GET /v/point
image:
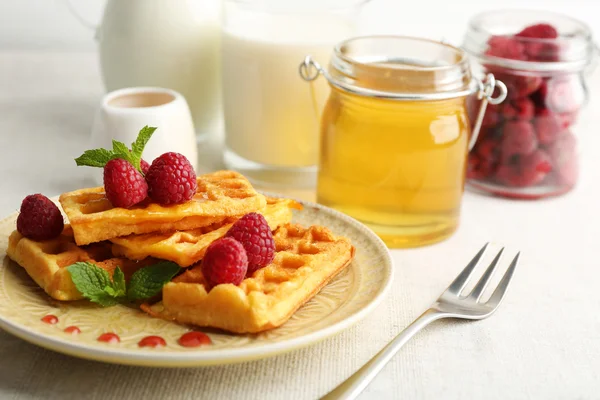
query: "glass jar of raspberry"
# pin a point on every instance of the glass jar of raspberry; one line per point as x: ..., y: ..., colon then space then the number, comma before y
x: 527, y: 145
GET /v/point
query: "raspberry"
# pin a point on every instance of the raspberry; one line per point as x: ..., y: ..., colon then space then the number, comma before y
x: 519, y: 85
x: 537, y: 50
x: 522, y: 109
x: 144, y: 166
x: 539, y: 31
x: 225, y: 261
x: 518, y: 139
x: 479, y: 167
x: 123, y: 184
x: 488, y: 147
x: 564, y: 94
x: 491, y: 117
x: 547, y: 126
x: 539, y: 96
x: 505, y: 47
x: 528, y: 170
x: 171, y: 179
x: 564, y: 157
x: 40, y: 218
x: 567, y: 119
x: 253, y: 232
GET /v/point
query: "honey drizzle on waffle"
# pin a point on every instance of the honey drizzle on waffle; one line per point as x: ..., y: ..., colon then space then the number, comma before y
x: 220, y: 195
x: 188, y: 247
x: 306, y: 260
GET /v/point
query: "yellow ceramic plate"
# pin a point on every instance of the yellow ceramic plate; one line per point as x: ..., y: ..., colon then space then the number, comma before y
x: 346, y: 300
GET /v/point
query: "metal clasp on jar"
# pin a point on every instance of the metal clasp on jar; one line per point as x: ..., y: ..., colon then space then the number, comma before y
x: 310, y: 70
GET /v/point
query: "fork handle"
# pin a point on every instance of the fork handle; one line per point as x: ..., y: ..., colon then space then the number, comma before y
x: 357, y: 382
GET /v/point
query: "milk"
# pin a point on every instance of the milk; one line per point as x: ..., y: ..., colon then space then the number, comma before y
x: 174, y: 45
x: 271, y: 114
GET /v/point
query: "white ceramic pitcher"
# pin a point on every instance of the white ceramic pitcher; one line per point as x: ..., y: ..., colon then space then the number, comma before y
x: 172, y: 44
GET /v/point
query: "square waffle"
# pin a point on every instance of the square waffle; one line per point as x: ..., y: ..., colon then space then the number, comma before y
x: 46, y: 261
x: 306, y: 260
x: 188, y: 247
x: 220, y: 195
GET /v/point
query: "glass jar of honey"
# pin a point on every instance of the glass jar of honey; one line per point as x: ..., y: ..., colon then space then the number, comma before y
x: 527, y: 147
x: 395, y: 134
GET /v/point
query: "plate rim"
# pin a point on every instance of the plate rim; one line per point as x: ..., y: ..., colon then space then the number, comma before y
x: 162, y: 359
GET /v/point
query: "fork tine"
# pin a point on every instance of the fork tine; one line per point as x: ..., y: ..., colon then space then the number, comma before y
x: 463, y: 278
x: 499, y: 292
x: 487, y: 276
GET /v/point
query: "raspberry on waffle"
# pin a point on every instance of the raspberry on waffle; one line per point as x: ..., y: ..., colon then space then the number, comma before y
x: 188, y: 247
x: 46, y: 261
x: 220, y: 195
x: 305, y: 261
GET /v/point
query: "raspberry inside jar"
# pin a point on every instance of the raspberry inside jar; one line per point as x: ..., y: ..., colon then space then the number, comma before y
x: 527, y: 146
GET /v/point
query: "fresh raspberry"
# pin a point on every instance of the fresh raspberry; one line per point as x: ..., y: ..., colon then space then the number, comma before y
x: 171, y: 179
x: 253, y: 232
x: 40, y: 218
x: 491, y: 117
x: 547, y: 126
x: 518, y: 138
x: 225, y: 261
x: 480, y: 167
x: 488, y: 147
x: 539, y: 31
x: 540, y: 50
x: 506, y: 47
x: 519, y: 85
x: 564, y: 157
x: 564, y: 94
x: 144, y: 166
x: 539, y: 96
x: 528, y: 170
x: 522, y: 109
x: 123, y: 184
x: 567, y: 119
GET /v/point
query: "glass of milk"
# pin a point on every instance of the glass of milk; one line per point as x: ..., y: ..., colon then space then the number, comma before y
x: 271, y: 114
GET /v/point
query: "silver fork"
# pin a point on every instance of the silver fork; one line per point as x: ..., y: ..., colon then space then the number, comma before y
x: 449, y: 305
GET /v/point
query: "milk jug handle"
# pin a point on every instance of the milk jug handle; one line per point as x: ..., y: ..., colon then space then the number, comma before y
x: 78, y: 17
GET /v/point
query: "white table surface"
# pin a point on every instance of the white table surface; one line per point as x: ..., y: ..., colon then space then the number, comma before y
x: 543, y: 343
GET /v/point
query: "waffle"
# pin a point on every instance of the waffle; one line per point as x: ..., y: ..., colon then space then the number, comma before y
x: 188, y: 247
x: 46, y: 261
x: 220, y: 195
x: 306, y: 260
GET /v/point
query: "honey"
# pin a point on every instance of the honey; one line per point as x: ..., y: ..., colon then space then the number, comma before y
x: 395, y: 134
x: 398, y: 167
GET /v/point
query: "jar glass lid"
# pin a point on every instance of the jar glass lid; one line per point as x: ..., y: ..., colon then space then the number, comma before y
x: 400, y: 67
x: 530, y: 40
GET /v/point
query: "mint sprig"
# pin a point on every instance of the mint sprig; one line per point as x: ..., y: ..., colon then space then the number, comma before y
x: 148, y: 282
x: 94, y: 283
x: 99, y: 157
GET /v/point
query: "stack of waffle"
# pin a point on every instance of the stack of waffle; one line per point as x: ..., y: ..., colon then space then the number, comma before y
x: 306, y: 258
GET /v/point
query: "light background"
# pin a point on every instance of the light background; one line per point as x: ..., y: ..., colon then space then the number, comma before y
x: 47, y: 24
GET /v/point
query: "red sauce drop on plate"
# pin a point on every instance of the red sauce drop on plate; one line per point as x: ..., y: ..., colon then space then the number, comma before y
x: 109, y: 337
x: 194, y: 339
x: 73, y: 330
x: 50, y: 319
x: 152, y: 341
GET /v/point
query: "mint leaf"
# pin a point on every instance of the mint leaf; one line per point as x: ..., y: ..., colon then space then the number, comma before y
x: 118, y: 283
x: 91, y: 281
x: 94, y: 158
x: 120, y: 150
x: 137, y: 147
x: 99, y: 157
x: 148, y: 282
x: 104, y: 299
